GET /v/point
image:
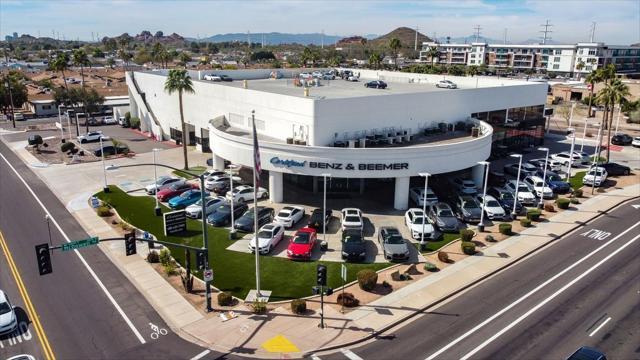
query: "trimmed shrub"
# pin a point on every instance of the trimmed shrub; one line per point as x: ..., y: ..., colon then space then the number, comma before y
x: 259, y: 307
x: 225, y: 299
x: 575, y: 201
x: 347, y: 300
x: 443, y: 256
x: 549, y: 207
x: 165, y: 256
x: 430, y: 267
x: 67, y: 146
x: 134, y: 122
x: 490, y: 238
x: 505, y: 229
x: 103, y: 211
x: 367, y: 279
x: 578, y: 192
x: 468, y: 247
x: 170, y: 269
x: 466, y: 234
x: 299, y: 306
x: 153, y: 257
x: 533, y: 214
x: 525, y: 222
x: 562, y: 203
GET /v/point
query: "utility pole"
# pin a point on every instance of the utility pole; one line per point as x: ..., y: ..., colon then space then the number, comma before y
x: 249, y: 38
x: 477, y: 28
x: 546, y: 32
x: 8, y: 85
x: 593, y: 31
x: 505, y: 36
x: 415, y: 44
x: 322, y: 39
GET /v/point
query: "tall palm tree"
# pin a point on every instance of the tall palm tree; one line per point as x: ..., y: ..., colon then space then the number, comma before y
x: 615, y: 92
x: 60, y: 64
x: 375, y: 59
x: 156, y: 52
x: 580, y: 66
x: 80, y: 58
x: 179, y: 81
x: 395, y: 45
x: 433, y: 53
x: 184, y: 58
x: 592, y: 79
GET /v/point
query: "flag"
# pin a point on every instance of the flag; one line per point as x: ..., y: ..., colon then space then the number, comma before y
x: 256, y: 155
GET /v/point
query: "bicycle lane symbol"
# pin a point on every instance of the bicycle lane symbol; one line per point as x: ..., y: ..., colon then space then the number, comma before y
x: 157, y: 331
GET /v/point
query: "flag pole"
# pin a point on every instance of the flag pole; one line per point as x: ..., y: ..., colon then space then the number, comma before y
x: 255, y: 202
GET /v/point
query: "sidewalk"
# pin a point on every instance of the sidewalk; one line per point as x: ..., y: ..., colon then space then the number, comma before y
x: 279, y: 331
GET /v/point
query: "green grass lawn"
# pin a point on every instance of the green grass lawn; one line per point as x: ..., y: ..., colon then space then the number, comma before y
x: 576, y: 180
x: 233, y: 271
x: 196, y: 170
x: 444, y: 239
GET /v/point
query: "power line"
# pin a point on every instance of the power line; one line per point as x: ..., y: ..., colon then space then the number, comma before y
x: 477, y: 28
x: 546, y: 32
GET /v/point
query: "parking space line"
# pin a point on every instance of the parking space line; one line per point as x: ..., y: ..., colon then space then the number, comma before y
x: 84, y: 262
x: 600, y: 326
x: 201, y: 355
x: 33, y: 316
x: 350, y: 354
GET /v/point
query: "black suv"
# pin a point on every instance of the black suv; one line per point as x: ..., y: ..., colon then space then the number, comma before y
x: 353, y: 245
x: 621, y: 139
x: 245, y: 222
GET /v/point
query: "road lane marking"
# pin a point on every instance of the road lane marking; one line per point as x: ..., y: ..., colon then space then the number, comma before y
x: 350, y: 354
x: 596, y: 234
x: 600, y: 326
x: 315, y: 357
x: 527, y: 295
x: 31, y: 311
x: 201, y: 355
x: 545, y: 301
x: 84, y: 262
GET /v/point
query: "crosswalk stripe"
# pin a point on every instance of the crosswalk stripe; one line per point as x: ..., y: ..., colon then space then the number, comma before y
x: 350, y: 354
x: 315, y: 357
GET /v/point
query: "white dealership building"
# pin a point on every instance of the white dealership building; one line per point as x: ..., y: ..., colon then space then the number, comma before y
x: 342, y: 128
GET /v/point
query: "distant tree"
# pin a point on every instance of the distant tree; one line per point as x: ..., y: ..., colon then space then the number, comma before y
x: 125, y: 56
x: 60, y: 64
x: 184, y: 58
x: 375, y: 59
x: 159, y: 34
x: 18, y: 91
x: 433, y: 53
x: 615, y: 92
x: 472, y: 70
x: 456, y: 70
x: 97, y: 53
x: 110, y: 62
x: 195, y: 47
x: 592, y: 79
x: 262, y: 56
x: 179, y: 81
x: 212, y: 48
x: 395, y: 45
x: 142, y: 57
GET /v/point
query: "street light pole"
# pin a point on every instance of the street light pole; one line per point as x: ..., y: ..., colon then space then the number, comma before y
x: 515, y: 201
x: 205, y: 238
x: 584, y: 134
x: 573, y: 144
x: 596, y: 160
x: 544, y: 175
x: 324, y: 208
x: 232, y: 232
x: 158, y: 211
x: 13, y: 115
x: 618, y: 118
x: 484, y: 194
x: 424, y: 207
x: 104, y: 169
x: 61, y: 127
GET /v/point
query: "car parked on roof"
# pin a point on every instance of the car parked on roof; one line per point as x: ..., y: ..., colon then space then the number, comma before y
x: 394, y: 248
x: 351, y: 218
x: 621, y: 139
x: 417, y: 195
x: 506, y: 199
x: 246, y: 221
x: 467, y: 208
x: 162, y: 183
x: 221, y: 216
x: 615, y: 169
x: 316, y: 219
x: 492, y: 208
x: 226, y: 78
x: 302, y: 243
x: 173, y: 190
x: 538, y: 187
x: 443, y: 217
x: 194, y: 211
x: 92, y: 136
x: 317, y: 74
x: 212, y: 77
x: 447, y: 84
x: 525, y: 194
x: 464, y: 186
x: 353, y: 245
x: 376, y: 84
x: 418, y: 224
x: 185, y: 199
x: 289, y: 215
x: 269, y: 236
x: 526, y: 169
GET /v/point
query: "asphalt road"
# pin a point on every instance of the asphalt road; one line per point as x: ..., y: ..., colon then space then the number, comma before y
x: 578, y: 291
x: 78, y: 318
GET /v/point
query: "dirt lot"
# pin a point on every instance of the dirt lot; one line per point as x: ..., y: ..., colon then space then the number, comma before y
x: 107, y: 82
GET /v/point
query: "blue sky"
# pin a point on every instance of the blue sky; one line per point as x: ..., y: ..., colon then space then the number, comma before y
x: 618, y: 21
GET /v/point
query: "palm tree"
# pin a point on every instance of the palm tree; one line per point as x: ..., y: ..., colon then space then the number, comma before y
x: 433, y: 53
x: 394, y: 46
x: 156, y: 52
x: 60, y: 64
x: 375, y: 59
x: 306, y: 56
x: 180, y: 81
x: 125, y: 56
x: 615, y: 92
x: 592, y: 79
x: 80, y: 58
x: 184, y: 58
x: 580, y: 66
x: 472, y: 70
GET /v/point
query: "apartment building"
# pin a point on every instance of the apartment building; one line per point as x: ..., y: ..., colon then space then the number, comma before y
x: 580, y: 58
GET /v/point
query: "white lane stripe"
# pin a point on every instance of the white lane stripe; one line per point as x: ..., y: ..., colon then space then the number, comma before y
x: 201, y: 355
x: 525, y: 296
x: 554, y: 295
x: 350, y: 354
x: 93, y: 274
x: 599, y: 327
x: 315, y: 357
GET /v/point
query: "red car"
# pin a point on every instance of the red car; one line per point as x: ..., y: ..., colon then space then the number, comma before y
x: 174, y: 190
x: 301, y: 244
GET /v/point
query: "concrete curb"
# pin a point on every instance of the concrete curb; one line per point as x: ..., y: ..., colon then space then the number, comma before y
x: 378, y: 332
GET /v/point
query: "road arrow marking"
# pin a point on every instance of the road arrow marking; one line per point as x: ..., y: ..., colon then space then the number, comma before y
x: 636, y: 206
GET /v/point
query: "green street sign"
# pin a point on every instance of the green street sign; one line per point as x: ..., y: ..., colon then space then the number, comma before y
x: 80, y: 243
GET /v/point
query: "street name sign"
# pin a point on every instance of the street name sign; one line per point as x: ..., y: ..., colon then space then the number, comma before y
x: 175, y: 222
x: 80, y: 243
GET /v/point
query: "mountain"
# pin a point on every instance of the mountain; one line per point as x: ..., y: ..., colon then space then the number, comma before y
x: 406, y: 36
x: 275, y: 38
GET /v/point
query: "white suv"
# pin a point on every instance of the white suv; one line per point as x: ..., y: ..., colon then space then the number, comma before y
x: 538, y: 186
x: 595, y: 177
x: 417, y: 195
x: 525, y: 196
x: 418, y: 224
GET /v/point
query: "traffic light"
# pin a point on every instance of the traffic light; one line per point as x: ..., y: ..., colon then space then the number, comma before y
x: 200, y: 259
x: 43, y: 257
x: 321, y: 275
x: 130, y: 243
